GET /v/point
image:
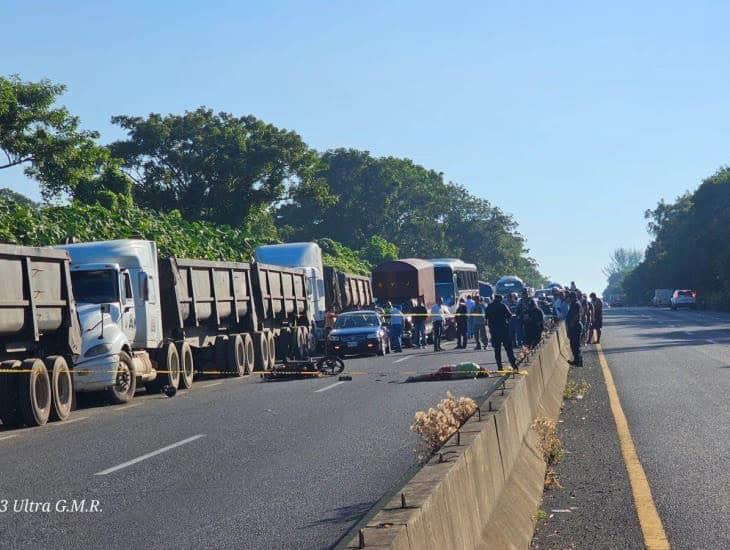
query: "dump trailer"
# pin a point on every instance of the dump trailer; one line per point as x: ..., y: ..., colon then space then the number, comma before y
x: 357, y: 291
x: 39, y: 335
x: 157, y: 321
x: 282, y: 310
x: 344, y: 291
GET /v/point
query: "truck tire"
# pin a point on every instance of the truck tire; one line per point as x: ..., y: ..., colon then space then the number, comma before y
x: 272, y: 349
x: 61, y: 387
x: 125, y: 381
x: 9, y: 412
x: 261, y: 351
x: 169, y: 361
x: 236, y: 356
x: 250, y: 354
x: 187, y: 365
x: 34, y: 393
x: 303, y: 342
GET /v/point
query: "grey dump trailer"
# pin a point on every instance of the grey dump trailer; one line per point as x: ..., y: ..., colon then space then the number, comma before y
x: 39, y: 335
x: 283, y: 316
x: 344, y: 291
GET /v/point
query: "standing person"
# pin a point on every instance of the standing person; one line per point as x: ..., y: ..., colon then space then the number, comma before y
x: 574, y: 328
x: 499, y: 316
x: 419, y: 315
x: 438, y: 315
x: 583, y: 317
x: 534, y: 324
x: 480, y: 321
x: 597, y: 316
x: 470, y: 303
x: 514, y: 322
x: 395, y: 330
x: 461, y: 325
x: 522, y: 313
x: 330, y: 317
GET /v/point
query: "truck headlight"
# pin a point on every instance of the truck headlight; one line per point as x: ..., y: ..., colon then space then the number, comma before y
x: 99, y: 349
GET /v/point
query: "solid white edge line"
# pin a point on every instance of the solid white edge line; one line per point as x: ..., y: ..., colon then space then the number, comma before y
x: 148, y: 455
x: 3, y: 438
x: 406, y: 358
x: 328, y: 387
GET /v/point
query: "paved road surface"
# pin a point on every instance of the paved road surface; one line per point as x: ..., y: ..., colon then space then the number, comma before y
x: 672, y: 372
x: 274, y: 465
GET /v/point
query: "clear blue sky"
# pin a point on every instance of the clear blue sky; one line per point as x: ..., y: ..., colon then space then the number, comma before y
x: 573, y: 116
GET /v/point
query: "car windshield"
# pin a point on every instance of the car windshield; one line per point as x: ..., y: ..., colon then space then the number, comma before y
x: 357, y: 320
x: 685, y: 293
x: 95, y: 287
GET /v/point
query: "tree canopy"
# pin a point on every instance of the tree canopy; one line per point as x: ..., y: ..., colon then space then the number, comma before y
x: 621, y: 263
x: 691, y: 245
x: 215, y: 166
x: 44, y: 138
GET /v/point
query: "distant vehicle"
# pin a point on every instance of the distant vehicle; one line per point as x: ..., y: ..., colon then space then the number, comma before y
x: 616, y: 301
x: 358, y: 333
x: 662, y: 297
x: 684, y: 298
x: 543, y: 293
x: 454, y: 279
x: 554, y: 285
x: 486, y: 290
x: 508, y: 284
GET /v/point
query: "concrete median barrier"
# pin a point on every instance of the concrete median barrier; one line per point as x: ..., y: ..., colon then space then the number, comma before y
x: 483, y: 487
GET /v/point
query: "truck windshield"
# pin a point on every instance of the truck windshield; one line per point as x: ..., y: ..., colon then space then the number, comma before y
x: 445, y: 291
x: 95, y: 287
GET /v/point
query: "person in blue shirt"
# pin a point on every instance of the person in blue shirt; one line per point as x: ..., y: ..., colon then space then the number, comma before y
x: 396, y: 320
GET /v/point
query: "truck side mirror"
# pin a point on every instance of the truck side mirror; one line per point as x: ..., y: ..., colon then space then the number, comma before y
x: 144, y: 284
x: 106, y: 308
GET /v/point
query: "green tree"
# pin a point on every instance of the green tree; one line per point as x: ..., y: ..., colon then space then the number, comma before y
x: 45, y: 138
x: 621, y: 263
x: 378, y: 250
x: 216, y: 167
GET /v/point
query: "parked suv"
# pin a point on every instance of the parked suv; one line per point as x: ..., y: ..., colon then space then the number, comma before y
x: 684, y: 298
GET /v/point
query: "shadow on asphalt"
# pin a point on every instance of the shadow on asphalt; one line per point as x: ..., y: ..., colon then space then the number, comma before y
x: 344, y: 514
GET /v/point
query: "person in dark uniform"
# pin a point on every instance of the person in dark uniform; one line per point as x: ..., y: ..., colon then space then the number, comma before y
x: 597, y: 317
x: 499, y: 317
x: 461, y: 325
x: 534, y: 324
x: 575, y: 328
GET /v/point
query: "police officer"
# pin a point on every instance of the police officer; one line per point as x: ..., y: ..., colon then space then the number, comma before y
x: 499, y: 317
x: 575, y: 328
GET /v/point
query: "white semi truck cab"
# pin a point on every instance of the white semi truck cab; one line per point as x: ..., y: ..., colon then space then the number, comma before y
x: 116, y: 286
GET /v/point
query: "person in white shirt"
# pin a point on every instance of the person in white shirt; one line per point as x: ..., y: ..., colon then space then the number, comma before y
x: 439, y: 313
x: 470, y: 305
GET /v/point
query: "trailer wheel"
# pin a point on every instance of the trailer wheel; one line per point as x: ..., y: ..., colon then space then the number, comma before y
x: 261, y: 351
x: 272, y: 349
x: 34, y: 393
x: 187, y: 365
x: 250, y: 354
x: 9, y: 412
x: 61, y: 387
x: 125, y: 381
x: 170, y: 362
x: 236, y: 356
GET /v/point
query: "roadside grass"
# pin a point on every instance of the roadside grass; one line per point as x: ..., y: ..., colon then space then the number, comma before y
x: 551, y: 448
x: 576, y: 390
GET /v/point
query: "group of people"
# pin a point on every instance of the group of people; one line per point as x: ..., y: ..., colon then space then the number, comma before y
x: 509, y: 323
x: 583, y: 317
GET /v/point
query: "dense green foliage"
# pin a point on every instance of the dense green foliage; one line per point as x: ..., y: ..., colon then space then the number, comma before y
x: 215, y: 167
x: 212, y: 185
x: 49, y: 225
x: 46, y: 140
x: 405, y: 204
x: 691, y: 246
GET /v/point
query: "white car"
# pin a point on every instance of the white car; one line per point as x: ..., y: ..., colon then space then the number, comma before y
x: 683, y: 298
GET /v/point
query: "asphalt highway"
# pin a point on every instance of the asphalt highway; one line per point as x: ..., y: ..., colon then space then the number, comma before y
x: 672, y: 372
x: 232, y: 463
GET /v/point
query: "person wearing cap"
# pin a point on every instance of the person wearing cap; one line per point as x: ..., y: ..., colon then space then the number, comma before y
x: 499, y: 317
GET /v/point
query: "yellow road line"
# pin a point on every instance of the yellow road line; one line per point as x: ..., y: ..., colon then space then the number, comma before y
x: 651, y: 524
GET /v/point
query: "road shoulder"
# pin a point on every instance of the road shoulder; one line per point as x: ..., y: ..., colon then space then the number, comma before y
x: 594, y: 508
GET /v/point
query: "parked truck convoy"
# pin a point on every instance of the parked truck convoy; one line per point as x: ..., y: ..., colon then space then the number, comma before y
x: 40, y: 336
x: 158, y: 321
x: 326, y: 287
